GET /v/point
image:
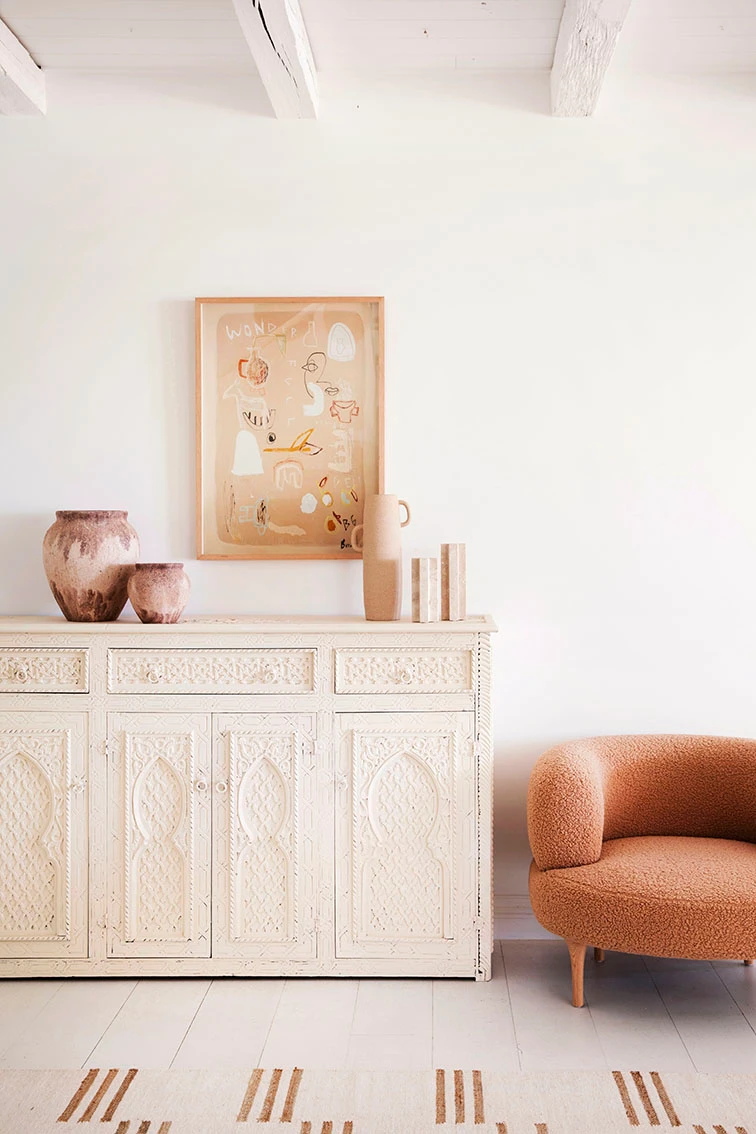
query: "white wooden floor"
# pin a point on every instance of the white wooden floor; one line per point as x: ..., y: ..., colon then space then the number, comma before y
x: 642, y: 1013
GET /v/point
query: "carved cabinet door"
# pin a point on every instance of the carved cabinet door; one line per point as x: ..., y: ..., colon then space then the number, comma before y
x: 406, y: 837
x: 159, y: 820
x: 43, y: 834
x: 265, y: 836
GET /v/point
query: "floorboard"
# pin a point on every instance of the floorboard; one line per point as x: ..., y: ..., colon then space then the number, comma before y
x: 312, y: 1025
x: 151, y: 1025
x: 740, y: 982
x: 21, y: 1001
x: 551, y: 1034
x: 231, y: 1025
x: 472, y: 1023
x: 632, y: 1022
x: 717, y: 1035
x: 70, y: 1024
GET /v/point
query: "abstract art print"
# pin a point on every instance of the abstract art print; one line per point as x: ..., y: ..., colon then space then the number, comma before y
x: 290, y: 425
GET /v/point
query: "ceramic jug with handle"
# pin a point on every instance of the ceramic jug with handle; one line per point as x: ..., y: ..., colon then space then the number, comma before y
x: 381, y: 546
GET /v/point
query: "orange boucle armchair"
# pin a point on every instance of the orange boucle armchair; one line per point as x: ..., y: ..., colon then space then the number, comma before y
x: 646, y: 844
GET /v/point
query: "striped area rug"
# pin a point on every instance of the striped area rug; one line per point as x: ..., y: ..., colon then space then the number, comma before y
x: 130, y: 1101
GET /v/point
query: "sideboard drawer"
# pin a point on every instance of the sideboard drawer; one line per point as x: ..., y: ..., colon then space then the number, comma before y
x: 423, y: 670
x: 211, y: 671
x: 32, y: 670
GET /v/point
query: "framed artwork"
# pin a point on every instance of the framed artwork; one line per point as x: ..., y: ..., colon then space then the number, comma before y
x: 289, y: 425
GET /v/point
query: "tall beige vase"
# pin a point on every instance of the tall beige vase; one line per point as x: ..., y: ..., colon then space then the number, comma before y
x: 381, y: 547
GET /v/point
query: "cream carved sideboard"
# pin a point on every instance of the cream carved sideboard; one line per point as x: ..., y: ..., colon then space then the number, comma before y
x: 245, y: 797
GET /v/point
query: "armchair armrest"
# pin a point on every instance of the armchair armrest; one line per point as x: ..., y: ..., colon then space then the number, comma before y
x: 566, y: 807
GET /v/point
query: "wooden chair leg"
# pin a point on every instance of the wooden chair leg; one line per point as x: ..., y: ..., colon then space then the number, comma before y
x: 747, y: 962
x: 598, y: 956
x: 577, y: 962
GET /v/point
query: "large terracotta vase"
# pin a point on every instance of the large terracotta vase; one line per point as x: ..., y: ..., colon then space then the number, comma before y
x: 88, y: 557
x: 381, y: 547
x: 159, y: 591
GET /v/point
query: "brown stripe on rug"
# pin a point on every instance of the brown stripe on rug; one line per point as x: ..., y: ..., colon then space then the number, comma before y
x: 270, y: 1098
x: 440, y: 1097
x: 477, y: 1098
x: 459, y: 1097
x: 645, y: 1098
x: 249, y: 1097
x: 666, y: 1102
x: 291, y: 1095
x: 79, y: 1093
x: 627, y: 1102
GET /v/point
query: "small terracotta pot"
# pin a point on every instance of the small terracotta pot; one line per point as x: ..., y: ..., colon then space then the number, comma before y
x: 159, y: 591
x: 88, y: 557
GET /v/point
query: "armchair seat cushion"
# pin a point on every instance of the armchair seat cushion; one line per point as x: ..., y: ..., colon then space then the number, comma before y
x: 666, y: 895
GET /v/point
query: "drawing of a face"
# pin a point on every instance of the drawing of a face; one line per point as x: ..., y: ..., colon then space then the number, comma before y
x: 314, y: 367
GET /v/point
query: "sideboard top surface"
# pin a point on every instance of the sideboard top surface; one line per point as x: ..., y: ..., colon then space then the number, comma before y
x: 245, y: 624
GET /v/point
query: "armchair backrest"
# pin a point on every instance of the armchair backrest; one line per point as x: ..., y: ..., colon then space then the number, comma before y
x: 612, y: 787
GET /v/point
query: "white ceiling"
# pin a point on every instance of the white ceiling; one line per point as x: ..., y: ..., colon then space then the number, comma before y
x: 383, y: 35
x: 689, y: 36
x: 437, y: 34
x: 130, y: 35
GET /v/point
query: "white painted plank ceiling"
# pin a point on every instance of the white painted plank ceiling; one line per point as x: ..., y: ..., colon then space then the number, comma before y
x: 689, y: 36
x: 130, y: 35
x: 512, y: 35
x: 379, y: 35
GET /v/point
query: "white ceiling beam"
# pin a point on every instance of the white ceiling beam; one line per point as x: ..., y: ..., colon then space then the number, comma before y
x: 587, y: 37
x: 22, y: 82
x: 275, y: 32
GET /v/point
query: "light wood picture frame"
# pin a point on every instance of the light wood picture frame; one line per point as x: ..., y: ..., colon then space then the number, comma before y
x: 289, y: 424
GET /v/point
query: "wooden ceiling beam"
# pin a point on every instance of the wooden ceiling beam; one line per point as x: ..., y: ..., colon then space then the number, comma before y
x: 277, y: 38
x: 22, y: 82
x: 587, y: 37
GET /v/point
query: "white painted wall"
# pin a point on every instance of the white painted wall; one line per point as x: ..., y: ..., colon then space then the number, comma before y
x: 570, y: 359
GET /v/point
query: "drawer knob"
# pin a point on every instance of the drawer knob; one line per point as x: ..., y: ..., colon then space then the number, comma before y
x: 405, y: 674
x: 201, y: 785
x: 154, y: 674
x: 221, y: 788
x: 20, y: 672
